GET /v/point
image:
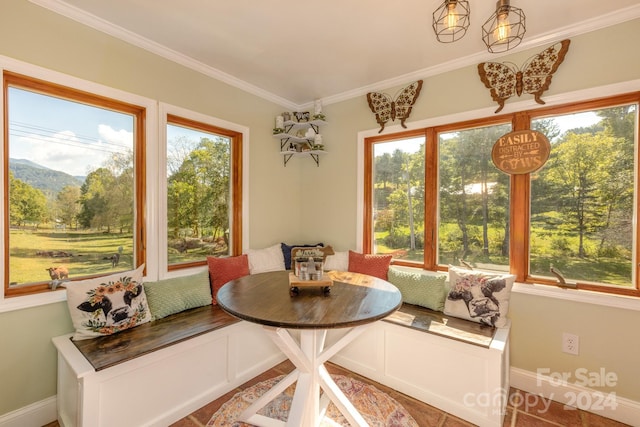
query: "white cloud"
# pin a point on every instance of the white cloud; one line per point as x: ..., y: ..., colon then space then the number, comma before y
x: 66, y: 152
x: 122, y: 138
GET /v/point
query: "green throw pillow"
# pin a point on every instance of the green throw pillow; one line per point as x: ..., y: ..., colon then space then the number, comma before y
x: 174, y: 295
x: 419, y: 289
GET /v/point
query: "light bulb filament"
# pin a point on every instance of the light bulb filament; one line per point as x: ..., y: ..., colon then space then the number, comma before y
x: 452, y: 16
x: 503, y: 30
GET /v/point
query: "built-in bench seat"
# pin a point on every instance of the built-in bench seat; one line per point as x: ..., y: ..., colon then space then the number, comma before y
x: 158, y: 372
x: 456, y: 365
x: 175, y: 365
x: 105, y: 352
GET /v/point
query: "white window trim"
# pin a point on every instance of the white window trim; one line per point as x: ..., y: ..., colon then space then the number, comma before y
x: 579, y: 295
x: 163, y: 110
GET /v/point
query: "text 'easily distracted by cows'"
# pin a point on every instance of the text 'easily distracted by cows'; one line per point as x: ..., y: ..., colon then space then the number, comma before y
x: 521, y: 152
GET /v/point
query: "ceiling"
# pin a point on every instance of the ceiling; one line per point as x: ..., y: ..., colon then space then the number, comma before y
x: 294, y: 51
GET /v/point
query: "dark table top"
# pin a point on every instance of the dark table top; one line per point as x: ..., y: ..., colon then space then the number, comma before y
x: 355, y: 299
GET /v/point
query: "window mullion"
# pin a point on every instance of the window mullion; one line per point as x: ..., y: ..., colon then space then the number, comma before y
x: 431, y: 199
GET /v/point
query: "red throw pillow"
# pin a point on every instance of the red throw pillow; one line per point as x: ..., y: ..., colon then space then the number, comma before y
x: 373, y: 265
x: 223, y: 270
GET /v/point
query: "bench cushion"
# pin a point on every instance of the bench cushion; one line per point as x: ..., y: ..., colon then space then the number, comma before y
x: 174, y: 295
x: 104, y: 352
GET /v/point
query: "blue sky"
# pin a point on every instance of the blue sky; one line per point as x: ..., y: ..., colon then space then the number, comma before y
x: 64, y: 135
x: 76, y: 138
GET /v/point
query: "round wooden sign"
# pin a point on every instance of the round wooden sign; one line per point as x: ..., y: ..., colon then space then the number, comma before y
x: 521, y: 152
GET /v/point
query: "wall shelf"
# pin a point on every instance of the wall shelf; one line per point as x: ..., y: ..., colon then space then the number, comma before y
x: 315, y: 155
x: 294, y: 145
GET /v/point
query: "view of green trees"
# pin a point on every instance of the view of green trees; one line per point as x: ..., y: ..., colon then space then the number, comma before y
x: 581, y: 201
x: 198, y: 199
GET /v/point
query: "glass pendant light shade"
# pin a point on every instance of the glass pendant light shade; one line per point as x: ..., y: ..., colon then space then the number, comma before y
x: 505, y: 29
x: 451, y: 20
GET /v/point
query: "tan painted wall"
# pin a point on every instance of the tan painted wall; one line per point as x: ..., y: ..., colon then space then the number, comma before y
x: 278, y: 211
x: 34, y: 35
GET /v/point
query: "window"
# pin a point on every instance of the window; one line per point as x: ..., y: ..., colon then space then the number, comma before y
x: 398, y: 198
x: 582, y: 201
x: 204, y: 192
x: 473, y: 220
x: 73, y: 168
x: 577, y: 213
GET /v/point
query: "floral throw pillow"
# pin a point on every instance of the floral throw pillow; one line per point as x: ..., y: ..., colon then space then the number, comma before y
x: 107, y: 305
x: 479, y: 296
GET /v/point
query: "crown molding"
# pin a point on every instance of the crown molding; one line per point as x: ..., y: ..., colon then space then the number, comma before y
x: 97, y: 23
x: 90, y: 20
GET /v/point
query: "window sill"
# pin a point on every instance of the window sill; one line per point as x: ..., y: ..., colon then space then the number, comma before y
x: 35, y: 300
x: 579, y: 295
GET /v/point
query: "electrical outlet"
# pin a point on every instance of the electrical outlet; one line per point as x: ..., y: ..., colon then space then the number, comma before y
x: 570, y: 343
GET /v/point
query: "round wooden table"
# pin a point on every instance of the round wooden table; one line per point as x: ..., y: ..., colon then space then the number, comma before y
x: 355, y: 301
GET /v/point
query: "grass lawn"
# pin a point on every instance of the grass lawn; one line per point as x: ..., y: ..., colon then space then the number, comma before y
x: 33, y: 251
x: 613, y: 271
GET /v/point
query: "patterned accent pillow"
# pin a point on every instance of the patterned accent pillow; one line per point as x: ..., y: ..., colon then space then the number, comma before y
x: 479, y: 296
x: 223, y: 270
x: 177, y: 294
x: 339, y: 261
x: 267, y: 259
x: 373, y: 265
x: 108, y: 304
x: 426, y: 290
x: 286, y: 252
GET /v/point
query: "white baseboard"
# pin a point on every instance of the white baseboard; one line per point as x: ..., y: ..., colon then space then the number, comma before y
x: 35, y: 415
x: 608, y: 405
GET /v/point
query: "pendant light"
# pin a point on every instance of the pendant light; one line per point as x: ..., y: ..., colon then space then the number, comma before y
x: 505, y: 29
x: 451, y: 20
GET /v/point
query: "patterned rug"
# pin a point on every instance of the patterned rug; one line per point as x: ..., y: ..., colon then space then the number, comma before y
x: 376, y: 407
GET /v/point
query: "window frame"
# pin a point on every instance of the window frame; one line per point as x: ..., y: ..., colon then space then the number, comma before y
x: 235, y: 217
x: 68, y: 92
x: 520, y: 190
x: 154, y: 210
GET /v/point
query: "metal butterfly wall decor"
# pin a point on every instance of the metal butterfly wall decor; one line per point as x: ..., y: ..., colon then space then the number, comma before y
x: 506, y: 79
x: 386, y: 108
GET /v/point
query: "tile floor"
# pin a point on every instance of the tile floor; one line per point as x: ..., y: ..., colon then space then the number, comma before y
x: 518, y: 414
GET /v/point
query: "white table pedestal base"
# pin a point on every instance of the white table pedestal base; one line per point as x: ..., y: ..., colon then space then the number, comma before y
x: 308, y: 406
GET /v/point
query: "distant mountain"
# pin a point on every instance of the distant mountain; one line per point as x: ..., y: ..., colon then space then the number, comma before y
x: 49, y: 181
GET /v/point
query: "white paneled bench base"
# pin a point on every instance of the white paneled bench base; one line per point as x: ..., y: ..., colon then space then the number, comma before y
x: 458, y: 366
x: 159, y: 372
